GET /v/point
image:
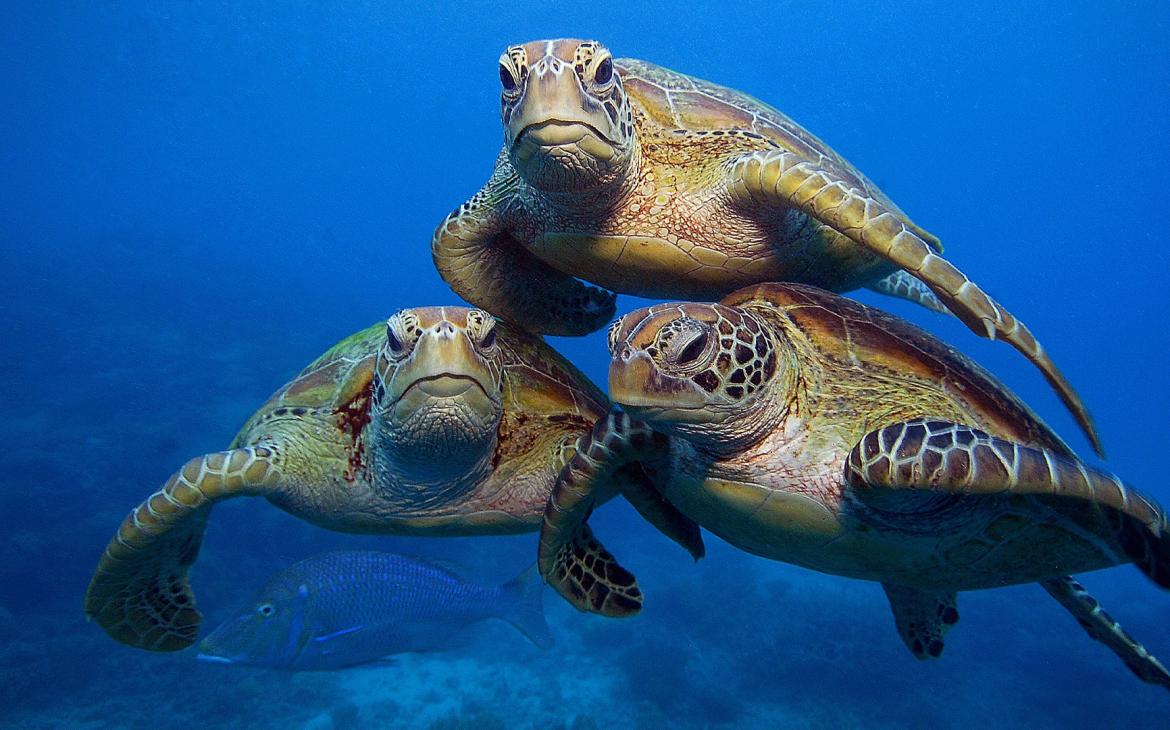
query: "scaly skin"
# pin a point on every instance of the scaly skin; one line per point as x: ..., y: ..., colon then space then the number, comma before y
x: 808, y: 428
x: 440, y: 422
x: 139, y: 593
x: 649, y: 182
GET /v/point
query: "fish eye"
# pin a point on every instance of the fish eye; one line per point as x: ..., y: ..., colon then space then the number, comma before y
x: 507, y: 79
x: 265, y: 609
x: 604, y: 73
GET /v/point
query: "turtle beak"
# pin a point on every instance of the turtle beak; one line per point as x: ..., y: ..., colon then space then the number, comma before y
x: 445, y: 365
x: 638, y: 386
x: 555, y: 111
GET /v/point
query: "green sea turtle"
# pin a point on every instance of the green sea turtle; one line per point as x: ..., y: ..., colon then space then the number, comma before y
x: 808, y: 428
x: 439, y: 422
x: 650, y: 182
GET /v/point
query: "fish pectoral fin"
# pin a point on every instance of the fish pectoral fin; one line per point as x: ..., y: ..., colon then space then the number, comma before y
x: 380, y: 663
x: 335, y: 634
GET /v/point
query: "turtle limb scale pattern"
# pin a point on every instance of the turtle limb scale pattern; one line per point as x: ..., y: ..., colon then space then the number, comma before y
x: 789, y: 180
x: 922, y: 618
x: 570, y: 558
x: 904, y: 286
x: 474, y: 252
x: 922, y: 458
x: 140, y: 593
x: 902, y: 466
x: 1103, y: 628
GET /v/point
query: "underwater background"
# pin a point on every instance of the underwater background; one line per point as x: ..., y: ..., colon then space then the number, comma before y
x: 197, y: 199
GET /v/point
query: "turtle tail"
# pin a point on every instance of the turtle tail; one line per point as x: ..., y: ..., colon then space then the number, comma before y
x: 1102, y: 627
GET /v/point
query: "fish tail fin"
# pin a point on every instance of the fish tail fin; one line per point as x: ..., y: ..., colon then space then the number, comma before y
x: 525, y: 608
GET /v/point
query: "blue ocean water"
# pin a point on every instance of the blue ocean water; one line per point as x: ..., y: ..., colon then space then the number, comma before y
x: 196, y: 199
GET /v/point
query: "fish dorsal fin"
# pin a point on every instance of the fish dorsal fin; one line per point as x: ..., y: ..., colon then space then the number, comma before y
x: 922, y: 617
x: 454, y: 571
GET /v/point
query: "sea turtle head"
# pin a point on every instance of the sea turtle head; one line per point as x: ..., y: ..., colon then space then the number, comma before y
x: 437, y: 399
x: 701, y: 371
x: 568, y: 126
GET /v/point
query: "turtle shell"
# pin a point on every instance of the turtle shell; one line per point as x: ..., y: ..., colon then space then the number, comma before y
x: 338, y: 378
x: 847, y: 334
x: 677, y: 101
x: 539, y: 380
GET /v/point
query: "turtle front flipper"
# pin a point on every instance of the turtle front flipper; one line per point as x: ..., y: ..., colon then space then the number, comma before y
x: 1102, y: 627
x: 140, y: 594
x: 905, y: 466
x: 791, y: 181
x: 485, y: 265
x: 922, y: 617
x: 570, y: 558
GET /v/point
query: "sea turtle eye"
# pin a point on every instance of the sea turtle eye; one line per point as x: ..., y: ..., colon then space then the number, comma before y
x: 612, y: 335
x: 265, y: 609
x: 489, y: 339
x: 392, y: 340
x: 693, y: 350
x: 604, y: 73
x: 506, y: 78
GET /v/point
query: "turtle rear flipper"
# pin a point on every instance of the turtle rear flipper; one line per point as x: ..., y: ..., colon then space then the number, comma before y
x: 140, y: 594
x: 821, y: 192
x: 1102, y: 627
x: 487, y: 267
x: 922, y: 617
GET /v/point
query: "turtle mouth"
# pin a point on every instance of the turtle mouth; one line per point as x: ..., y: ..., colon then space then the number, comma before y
x: 559, y: 133
x: 659, y: 412
x: 444, y: 385
x: 679, y: 419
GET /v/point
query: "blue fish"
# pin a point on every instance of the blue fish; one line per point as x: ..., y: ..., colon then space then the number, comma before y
x: 340, y: 609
